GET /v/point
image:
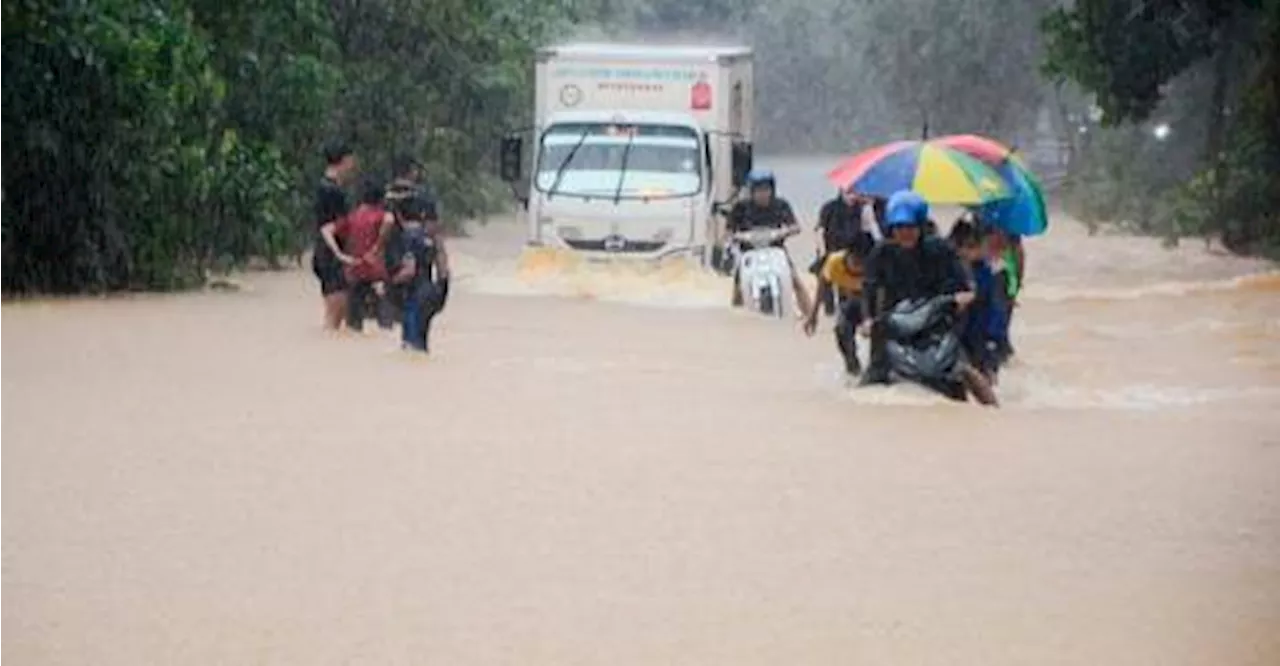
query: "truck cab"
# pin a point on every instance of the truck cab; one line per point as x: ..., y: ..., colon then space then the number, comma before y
x: 634, y: 148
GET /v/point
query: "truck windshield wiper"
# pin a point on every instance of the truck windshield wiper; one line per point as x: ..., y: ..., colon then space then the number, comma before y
x: 622, y: 167
x: 564, y: 164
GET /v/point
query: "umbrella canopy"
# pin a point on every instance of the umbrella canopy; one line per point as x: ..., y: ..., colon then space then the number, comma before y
x: 988, y: 150
x: 1024, y: 213
x: 937, y: 173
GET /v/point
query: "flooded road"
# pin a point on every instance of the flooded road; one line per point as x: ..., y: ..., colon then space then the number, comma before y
x: 599, y: 466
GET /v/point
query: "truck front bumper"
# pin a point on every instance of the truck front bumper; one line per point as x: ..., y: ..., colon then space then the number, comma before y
x: 617, y: 246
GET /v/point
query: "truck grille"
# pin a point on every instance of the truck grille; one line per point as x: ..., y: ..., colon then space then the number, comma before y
x: 600, y: 245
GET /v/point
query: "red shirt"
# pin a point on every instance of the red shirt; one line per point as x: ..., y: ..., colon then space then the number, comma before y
x: 359, y: 232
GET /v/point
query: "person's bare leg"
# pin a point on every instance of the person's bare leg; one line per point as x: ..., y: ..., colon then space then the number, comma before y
x: 979, y: 386
x: 803, y: 301
x: 335, y: 310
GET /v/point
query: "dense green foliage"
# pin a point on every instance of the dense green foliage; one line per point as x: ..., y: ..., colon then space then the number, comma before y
x: 148, y: 141
x: 1210, y: 72
x: 136, y: 152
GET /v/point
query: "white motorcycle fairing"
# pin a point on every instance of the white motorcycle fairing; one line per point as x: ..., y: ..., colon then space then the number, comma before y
x: 764, y: 280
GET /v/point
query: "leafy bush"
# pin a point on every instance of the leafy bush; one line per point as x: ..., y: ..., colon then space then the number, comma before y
x: 150, y: 141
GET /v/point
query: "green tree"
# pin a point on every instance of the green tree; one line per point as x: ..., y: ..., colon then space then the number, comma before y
x: 106, y: 116
x: 441, y: 80
x: 1179, y: 58
x: 149, y: 141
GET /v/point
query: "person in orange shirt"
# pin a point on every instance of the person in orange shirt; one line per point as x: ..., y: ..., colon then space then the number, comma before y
x: 840, y: 278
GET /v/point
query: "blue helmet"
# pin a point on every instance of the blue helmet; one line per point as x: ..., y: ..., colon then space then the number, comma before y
x: 759, y: 177
x: 906, y: 208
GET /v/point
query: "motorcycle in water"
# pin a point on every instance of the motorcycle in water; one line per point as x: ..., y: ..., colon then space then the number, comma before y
x: 921, y: 345
x: 764, y: 272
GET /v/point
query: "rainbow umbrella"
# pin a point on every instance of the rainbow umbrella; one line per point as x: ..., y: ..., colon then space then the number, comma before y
x: 935, y: 172
x: 1024, y: 213
x: 988, y: 150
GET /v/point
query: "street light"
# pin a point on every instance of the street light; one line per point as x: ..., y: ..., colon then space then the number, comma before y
x: 1161, y: 131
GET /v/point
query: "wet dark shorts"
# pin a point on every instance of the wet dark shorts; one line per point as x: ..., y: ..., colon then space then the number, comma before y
x: 850, y: 312
x: 329, y: 272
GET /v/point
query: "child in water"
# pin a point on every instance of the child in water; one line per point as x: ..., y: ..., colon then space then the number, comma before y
x: 840, y: 275
x: 1009, y: 261
x: 423, y: 270
x: 984, y: 332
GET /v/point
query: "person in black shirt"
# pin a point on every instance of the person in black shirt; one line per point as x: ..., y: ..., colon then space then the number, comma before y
x: 840, y: 222
x: 766, y: 210
x: 878, y: 205
x: 839, y: 228
x: 331, y: 207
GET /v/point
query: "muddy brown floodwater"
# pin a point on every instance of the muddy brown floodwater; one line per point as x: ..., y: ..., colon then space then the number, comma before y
x: 607, y: 466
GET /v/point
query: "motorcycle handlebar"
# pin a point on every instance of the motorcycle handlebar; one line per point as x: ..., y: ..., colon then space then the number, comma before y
x: 760, y: 237
x: 781, y: 232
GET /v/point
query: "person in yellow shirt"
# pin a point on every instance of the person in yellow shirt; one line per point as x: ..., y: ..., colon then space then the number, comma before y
x: 841, y: 275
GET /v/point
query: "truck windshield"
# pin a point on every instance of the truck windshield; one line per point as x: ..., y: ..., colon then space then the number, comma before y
x: 595, y: 160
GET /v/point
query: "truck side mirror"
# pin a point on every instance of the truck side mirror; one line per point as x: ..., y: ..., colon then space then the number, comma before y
x: 510, y: 155
x: 741, y: 162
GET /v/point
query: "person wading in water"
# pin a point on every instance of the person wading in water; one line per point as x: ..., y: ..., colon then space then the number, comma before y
x: 331, y: 208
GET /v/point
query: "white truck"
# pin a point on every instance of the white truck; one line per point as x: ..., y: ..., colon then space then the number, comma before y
x: 635, y: 147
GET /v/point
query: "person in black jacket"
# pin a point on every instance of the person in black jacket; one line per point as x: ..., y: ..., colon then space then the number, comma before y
x: 910, y: 265
x: 765, y: 209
